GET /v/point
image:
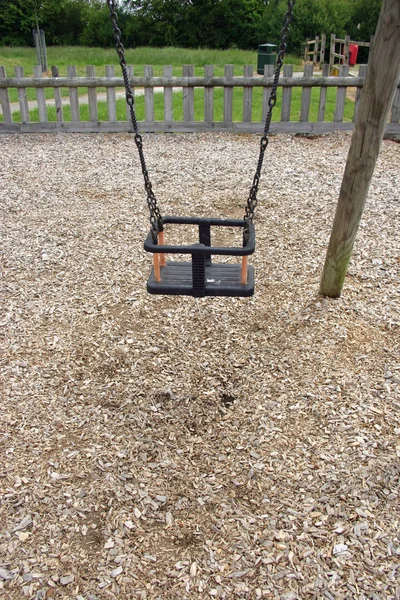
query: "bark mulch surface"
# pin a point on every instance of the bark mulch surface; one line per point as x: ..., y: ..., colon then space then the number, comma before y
x: 178, y: 448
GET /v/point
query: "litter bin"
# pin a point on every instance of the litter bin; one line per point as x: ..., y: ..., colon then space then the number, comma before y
x: 353, y: 52
x: 266, y: 56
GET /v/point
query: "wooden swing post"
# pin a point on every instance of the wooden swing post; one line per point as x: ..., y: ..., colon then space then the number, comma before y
x: 376, y: 99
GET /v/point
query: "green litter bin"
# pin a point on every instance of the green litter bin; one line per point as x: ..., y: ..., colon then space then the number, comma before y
x: 266, y: 56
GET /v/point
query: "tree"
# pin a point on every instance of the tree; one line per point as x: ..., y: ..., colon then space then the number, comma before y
x: 365, y: 16
x: 357, y: 18
x: 196, y: 23
x: 17, y: 19
x: 65, y: 21
x: 62, y: 20
x: 239, y: 22
x: 185, y: 23
x: 97, y: 30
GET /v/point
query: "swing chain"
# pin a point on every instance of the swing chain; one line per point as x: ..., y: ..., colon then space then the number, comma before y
x: 252, y: 199
x: 155, y: 214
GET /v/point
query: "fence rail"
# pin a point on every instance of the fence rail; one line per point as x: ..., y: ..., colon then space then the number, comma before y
x: 17, y: 116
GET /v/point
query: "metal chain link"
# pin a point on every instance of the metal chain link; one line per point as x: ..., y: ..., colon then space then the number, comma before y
x: 252, y: 199
x: 155, y: 214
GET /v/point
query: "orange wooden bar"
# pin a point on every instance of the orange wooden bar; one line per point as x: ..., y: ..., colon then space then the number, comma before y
x: 245, y: 263
x: 157, y: 271
x: 161, y: 241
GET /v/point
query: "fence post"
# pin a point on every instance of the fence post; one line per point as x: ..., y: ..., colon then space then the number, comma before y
x: 332, y: 52
x: 306, y: 51
x: 22, y: 97
x: 36, y: 43
x: 168, y: 102
x: 149, y: 96
x: 188, y: 95
x: 5, y: 100
x: 73, y: 96
x: 208, y: 95
x: 92, y: 95
x: 43, y: 50
x: 286, y: 94
x: 346, y: 50
x: 316, y: 45
x: 247, y: 95
x: 340, y: 96
x: 322, y: 50
x: 111, y: 96
x: 40, y: 45
x: 322, y: 95
x: 228, y: 96
x: 40, y: 96
x: 306, y: 94
x: 379, y: 89
x: 57, y: 96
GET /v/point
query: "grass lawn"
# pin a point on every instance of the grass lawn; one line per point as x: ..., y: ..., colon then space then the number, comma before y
x: 63, y: 56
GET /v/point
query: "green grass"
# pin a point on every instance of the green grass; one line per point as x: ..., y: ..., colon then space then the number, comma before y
x: 199, y: 107
x: 63, y: 56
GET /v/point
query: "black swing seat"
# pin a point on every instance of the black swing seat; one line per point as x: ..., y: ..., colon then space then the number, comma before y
x: 201, y: 277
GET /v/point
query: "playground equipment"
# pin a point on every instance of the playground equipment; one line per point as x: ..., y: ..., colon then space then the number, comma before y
x: 341, y: 52
x: 200, y: 277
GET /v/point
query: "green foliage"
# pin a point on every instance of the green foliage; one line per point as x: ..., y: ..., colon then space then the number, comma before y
x: 17, y: 19
x: 219, y: 24
x: 364, y: 19
x: 195, y: 23
x: 63, y: 20
x: 98, y: 30
x: 311, y: 18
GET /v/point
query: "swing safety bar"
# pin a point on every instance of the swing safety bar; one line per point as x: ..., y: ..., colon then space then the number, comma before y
x: 201, y: 277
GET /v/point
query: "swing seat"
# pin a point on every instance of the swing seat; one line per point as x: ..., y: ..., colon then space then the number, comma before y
x: 201, y: 277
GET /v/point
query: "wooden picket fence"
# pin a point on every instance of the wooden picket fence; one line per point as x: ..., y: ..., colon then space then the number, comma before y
x: 148, y: 85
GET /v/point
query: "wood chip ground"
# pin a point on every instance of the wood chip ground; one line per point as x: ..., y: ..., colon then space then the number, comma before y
x: 178, y: 448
